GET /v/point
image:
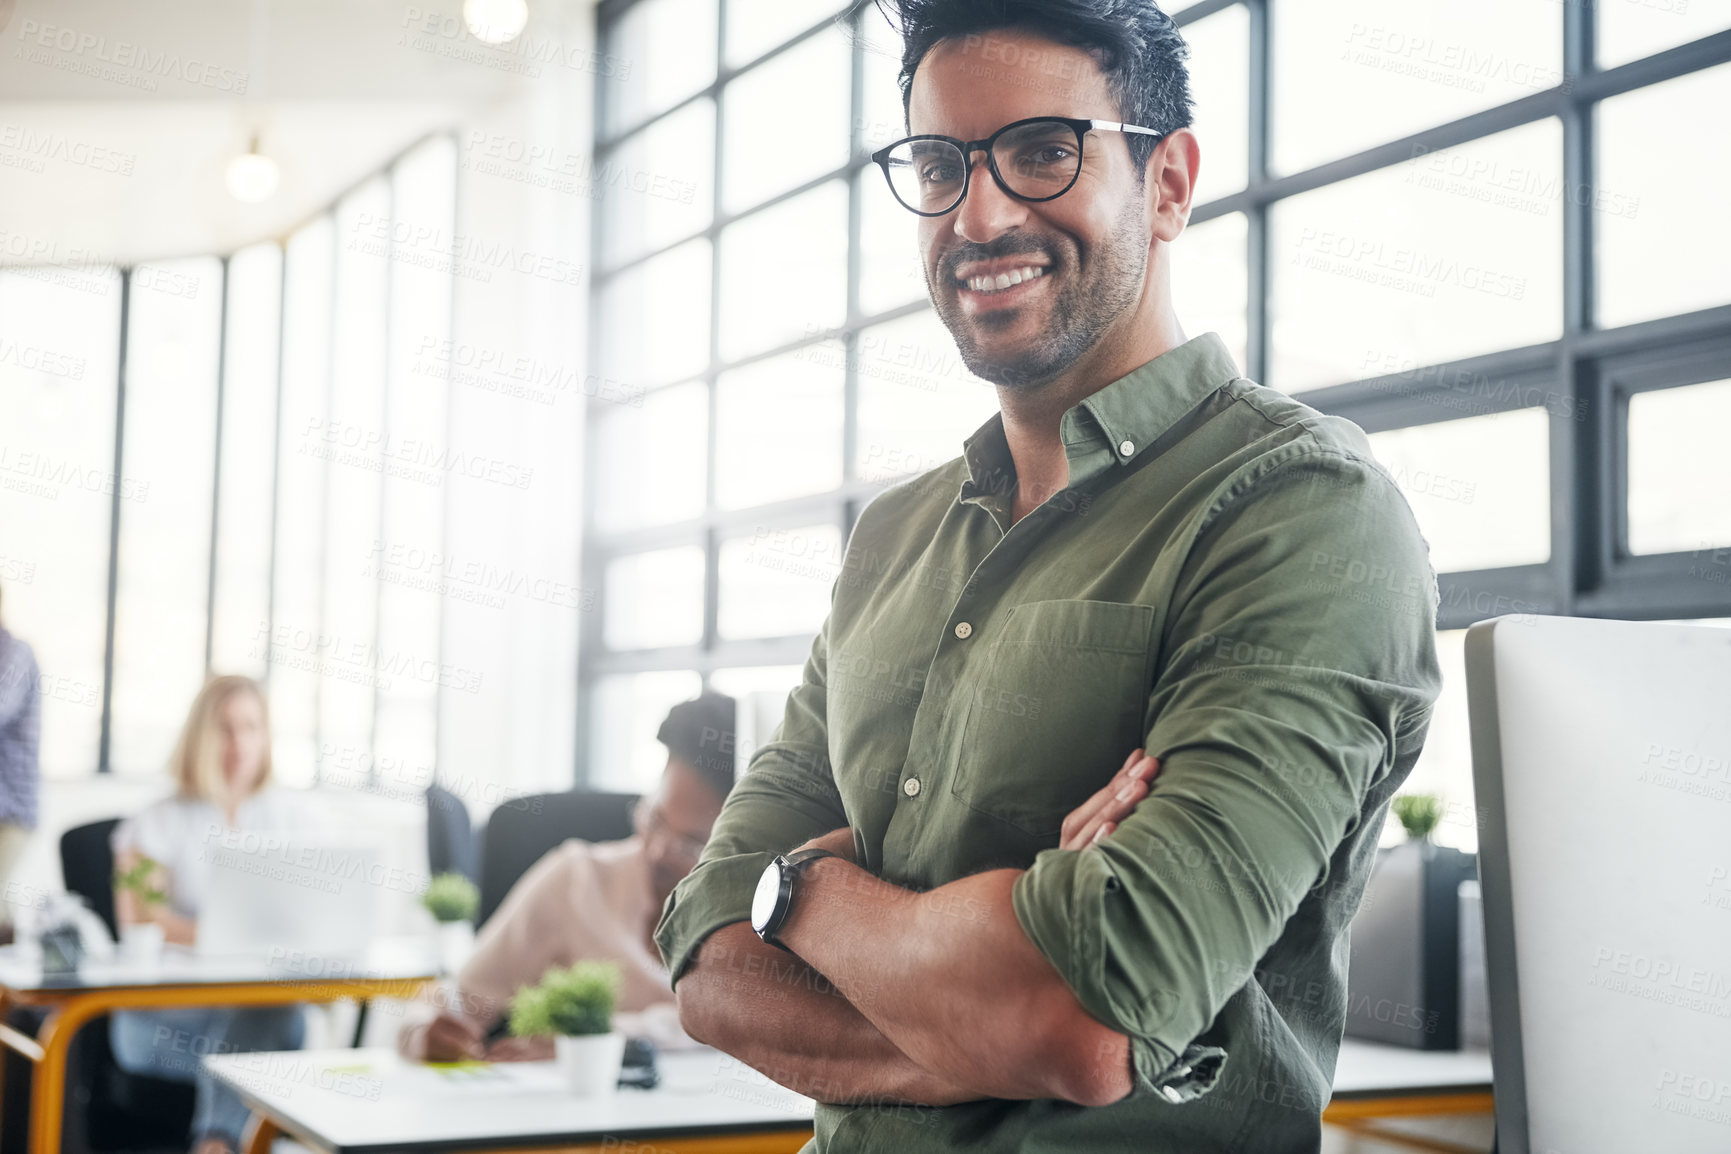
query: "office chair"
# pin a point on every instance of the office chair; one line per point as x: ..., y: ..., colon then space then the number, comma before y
x: 450, y: 834
x: 107, y: 1107
x: 523, y: 829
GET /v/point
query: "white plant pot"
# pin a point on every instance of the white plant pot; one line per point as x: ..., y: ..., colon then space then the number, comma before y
x: 590, y: 1063
x: 141, y: 945
x: 456, y: 942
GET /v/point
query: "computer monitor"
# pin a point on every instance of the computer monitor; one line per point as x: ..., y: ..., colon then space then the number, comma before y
x: 1602, y: 761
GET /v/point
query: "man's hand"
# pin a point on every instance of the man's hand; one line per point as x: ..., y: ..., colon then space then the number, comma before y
x: 1100, y: 814
x: 447, y: 1038
x: 836, y: 841
x: 1093, y: 819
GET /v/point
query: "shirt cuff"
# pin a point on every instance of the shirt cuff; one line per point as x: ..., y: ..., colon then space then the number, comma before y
x: 1060, y: 902
x: 715, y: 894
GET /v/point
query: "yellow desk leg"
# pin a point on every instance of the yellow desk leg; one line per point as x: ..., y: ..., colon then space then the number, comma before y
x: 48, y: 1088
x: 260, y: 1133
x: 48, y: 1083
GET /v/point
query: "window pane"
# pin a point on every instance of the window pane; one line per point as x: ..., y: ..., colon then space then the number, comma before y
x: 61, y: 327
x: 655, y: 599
x: 412, y: 517
x: 756, y: 26
x: 293, y: 634
x: 164, y: 566
x: 1445, y: 767
x: 1664, y: 239
x: 650, y: 459
x: 761, y: 692
x: 247, y: 480
x: 917, y: 401
x: 1454, y: 253
x: 891, y: 272
x: 655, y: 319
x: 784, y: 272
x: 1679, y: 487
x: 776, y: 582
x: 1220, y: 83
x: 1630, y: 29
x: 881, y: 53
x: 793, y: 402
x: 659, y: 185
x: 663, y: 50
x: 1349, y: 74
x: 627, y: 712
x: 786, y: 121
x: 1209, y: 265
x: 1480, y: 487
x: 353, y: 441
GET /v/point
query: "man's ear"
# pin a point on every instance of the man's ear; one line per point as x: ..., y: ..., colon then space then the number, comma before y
x: 1171, y: 181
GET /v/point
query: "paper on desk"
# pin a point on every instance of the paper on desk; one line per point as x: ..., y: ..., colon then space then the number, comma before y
x: 483, y: 1077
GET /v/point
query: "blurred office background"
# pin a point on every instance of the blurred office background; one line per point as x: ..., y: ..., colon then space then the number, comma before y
x: 543, y: 381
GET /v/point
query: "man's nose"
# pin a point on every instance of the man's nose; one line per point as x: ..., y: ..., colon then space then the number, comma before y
x: 987, y: 211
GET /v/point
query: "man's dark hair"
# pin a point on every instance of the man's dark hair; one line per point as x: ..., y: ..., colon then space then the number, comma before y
x: 700, y: 733
x: 1135, y: 44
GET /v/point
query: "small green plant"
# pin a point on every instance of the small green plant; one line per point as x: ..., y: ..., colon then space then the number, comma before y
x: 140, y: 881
x: 572, y: 1001
x: 1418, y: 813
x: 451, y: 897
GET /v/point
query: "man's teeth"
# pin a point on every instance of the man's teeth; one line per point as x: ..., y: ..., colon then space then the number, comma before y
x: 1004, y: 280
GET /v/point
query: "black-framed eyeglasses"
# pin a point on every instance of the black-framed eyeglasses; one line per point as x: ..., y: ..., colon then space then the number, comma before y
x: 1036, y: 159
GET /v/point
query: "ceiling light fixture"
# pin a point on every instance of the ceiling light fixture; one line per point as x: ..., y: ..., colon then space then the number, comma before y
x: 252, y: 176
x: 495, y: 21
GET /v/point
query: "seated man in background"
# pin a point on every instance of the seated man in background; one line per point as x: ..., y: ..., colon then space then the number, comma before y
x: 586, y: 901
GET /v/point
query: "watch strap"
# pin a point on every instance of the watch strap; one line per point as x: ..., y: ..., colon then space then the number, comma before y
x: 791, y: 865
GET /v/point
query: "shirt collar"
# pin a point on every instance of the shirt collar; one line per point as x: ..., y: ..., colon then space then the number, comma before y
x: 1116, y: 423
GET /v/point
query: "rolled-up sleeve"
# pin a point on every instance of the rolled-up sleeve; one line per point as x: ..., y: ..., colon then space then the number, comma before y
x: 1298, y: 657
x: 786, y: 796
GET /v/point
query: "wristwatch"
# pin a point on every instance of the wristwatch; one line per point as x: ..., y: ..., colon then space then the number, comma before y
x: 774, y: 898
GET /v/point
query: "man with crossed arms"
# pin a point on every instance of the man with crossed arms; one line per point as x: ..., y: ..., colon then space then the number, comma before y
x: 1005, y: 921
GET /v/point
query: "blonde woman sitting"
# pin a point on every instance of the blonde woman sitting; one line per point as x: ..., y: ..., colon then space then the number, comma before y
x: 222, y: 767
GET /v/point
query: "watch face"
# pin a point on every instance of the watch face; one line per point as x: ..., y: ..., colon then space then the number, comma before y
x: 763, y: 901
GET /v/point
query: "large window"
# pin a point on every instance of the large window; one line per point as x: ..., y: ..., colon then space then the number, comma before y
x: 1483, y: 231
x: 241, y: 464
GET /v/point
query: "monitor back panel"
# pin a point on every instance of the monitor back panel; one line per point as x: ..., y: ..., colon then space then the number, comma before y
x: 1602, y: 762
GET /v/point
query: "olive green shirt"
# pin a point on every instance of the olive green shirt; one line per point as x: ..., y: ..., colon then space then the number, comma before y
x: 1228, y: 580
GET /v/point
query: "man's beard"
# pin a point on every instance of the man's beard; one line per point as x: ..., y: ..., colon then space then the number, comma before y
x: 1086, y: 306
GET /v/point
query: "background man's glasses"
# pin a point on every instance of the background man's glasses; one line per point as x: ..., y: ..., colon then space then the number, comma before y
x: 1035, y: 159
x: 651, y: 823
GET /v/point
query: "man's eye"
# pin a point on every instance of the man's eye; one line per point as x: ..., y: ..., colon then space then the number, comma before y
x: 1050, y: 154
x: 939, y: 174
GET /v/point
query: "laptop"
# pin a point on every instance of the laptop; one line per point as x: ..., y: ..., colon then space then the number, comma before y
x: 266, y: 894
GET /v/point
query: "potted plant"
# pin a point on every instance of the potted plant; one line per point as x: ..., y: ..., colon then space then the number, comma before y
x: 141, y: 942
x: 574, y: 1006
x: 1403, y: 979
x: 452, y: 899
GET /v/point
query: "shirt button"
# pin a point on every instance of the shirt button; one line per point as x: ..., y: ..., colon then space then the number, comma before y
x: 1126, y: 448
x: 911, y: 787
x: 964, y: 630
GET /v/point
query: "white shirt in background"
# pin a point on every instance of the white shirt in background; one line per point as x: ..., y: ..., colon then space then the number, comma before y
x: 177, y: 832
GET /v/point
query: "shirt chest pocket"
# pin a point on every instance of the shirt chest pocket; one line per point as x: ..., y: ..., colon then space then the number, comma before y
x: 1054, y: 701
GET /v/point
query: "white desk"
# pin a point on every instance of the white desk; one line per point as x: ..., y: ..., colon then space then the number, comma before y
x: 362, y: 1101
x: 393, y: 968
x: 1369, y: 1070
x: 1374, y: 1082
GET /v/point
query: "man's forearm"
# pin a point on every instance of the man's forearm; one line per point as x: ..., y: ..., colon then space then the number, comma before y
x: 951, y: 979
x: 776, y: 1014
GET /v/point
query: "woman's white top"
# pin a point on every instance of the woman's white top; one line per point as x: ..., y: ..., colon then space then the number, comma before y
x: 180, y: 832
